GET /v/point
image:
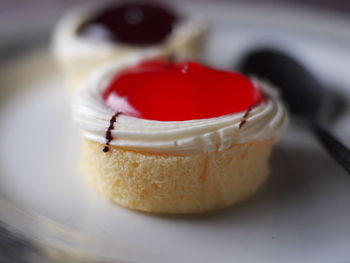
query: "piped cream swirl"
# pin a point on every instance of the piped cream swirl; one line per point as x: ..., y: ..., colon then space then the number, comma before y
x: 265, y: 121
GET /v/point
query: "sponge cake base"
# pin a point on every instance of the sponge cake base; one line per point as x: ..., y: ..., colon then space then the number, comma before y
x: 176, y: 184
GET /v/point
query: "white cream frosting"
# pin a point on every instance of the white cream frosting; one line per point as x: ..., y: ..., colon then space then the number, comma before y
x: 265, y: 121
x: 68, y: 46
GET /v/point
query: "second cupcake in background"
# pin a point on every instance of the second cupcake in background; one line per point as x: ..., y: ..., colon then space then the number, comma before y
x: 90, y: 36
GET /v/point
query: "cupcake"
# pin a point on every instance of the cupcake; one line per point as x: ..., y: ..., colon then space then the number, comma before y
x: 90, y: 36
x: 176, y: 138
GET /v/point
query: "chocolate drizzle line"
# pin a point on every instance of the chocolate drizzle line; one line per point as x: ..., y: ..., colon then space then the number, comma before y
x: 109, y: 136
x: 244, y: 118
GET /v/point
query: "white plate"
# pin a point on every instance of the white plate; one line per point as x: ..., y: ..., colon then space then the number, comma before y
x: 301, y: 215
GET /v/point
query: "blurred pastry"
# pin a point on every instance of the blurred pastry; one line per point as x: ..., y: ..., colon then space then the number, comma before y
x: 177, y: 138
x: 90, y: 36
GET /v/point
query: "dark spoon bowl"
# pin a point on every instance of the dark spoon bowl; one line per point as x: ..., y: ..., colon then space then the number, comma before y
x: 301, y: 91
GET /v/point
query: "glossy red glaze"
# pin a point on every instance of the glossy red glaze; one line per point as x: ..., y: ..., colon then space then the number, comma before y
x: 159, y: 90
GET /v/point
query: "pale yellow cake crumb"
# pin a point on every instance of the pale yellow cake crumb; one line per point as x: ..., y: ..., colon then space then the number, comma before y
x: 176, y: 184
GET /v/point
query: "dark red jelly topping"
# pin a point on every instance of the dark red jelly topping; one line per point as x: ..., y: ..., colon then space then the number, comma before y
x: 157, y: 90
x: 130, y: 23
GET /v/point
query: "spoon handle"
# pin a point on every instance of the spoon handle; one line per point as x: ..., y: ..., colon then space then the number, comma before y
x: 334, y: 147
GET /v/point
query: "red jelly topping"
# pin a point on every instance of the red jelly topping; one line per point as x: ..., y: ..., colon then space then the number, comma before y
x: 158, y: 90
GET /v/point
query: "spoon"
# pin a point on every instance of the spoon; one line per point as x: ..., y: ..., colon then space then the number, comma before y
x: 301, y: 91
